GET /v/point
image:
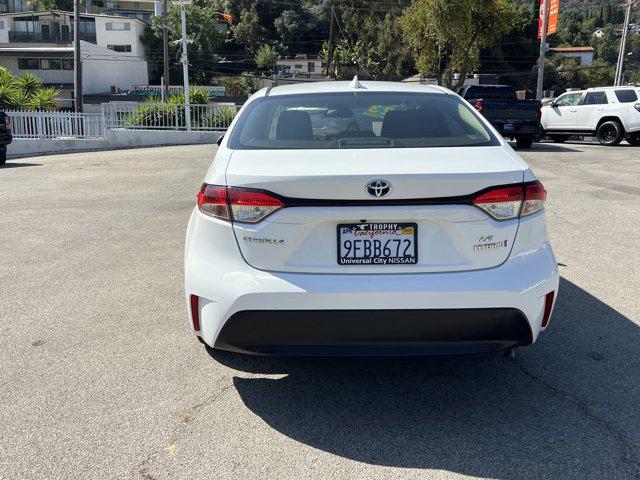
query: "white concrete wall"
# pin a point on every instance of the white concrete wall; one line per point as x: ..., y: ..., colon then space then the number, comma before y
x: 4, y: 32
x: 131, y: 37
x: 115, y: 139
x: 102, y: 68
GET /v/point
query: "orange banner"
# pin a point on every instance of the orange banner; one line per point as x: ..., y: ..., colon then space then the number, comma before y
x: 554, y: 11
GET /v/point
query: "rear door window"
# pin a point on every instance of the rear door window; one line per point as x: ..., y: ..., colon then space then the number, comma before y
x: 359, y: 120
x: 595, y: 98
x: 626, y: 96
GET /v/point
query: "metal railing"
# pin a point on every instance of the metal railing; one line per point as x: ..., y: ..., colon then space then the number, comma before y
x: 58, y: 37
x: 58, y: 125
x: 128, y: 116
x: 167, y: 116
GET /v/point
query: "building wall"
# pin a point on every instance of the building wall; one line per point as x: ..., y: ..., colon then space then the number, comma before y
x: 102, y: 68
x: 4, y: 29
x: 47, y: 76
x: 586, y: 58
x: 131, y: 37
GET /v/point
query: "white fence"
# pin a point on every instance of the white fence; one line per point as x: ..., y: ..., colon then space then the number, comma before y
x: 121, y: 115
x: 167, y: 116
x: 62, y: 125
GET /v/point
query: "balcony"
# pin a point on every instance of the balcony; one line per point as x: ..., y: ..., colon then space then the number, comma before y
x: 59, y: 38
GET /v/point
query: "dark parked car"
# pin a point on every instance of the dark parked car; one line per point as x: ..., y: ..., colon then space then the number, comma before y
x: 5, y: 136
x: 516, y: 119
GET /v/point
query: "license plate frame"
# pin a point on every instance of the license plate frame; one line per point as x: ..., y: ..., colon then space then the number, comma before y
x: 377, y: 259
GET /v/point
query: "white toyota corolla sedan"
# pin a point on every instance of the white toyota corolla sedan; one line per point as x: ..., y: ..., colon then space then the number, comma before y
x: 367, y: 218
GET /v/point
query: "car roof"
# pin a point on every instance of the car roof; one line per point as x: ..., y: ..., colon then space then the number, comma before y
x: 362, y: 86
x: 624, y: 87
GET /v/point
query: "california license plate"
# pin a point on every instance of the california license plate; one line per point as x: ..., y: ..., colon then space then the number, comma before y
x: 377, y: 244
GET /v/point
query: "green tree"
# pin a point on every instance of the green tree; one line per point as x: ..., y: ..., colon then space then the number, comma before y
x: 266, y: 57
x: 446, y: 36
x: 248, y: 32
x: 25, y: 93
x: 205, y: 41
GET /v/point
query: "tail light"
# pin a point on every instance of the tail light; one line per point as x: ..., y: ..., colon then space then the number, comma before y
x: 195, y: 312
x: 479, y: 106
x: 539, y: 114
x: 548, y: 304
x: 237, y: 204
x: 7, y: 123
x: 534, y: 197
x: 514, y: 201
x: 502, y: 203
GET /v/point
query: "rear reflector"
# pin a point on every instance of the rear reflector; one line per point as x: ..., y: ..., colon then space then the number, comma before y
x: 195, y: 312
x: 548, y: 304
x: 237, y: 204
x: 502, y: 203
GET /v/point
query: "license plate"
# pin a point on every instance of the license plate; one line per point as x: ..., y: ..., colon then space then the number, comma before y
x: 378, y: 244
x: 507, y: 126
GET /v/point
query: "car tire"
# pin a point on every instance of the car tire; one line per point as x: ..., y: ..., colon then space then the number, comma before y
x: 3, y: 155
x: 524, y: 142
x: 633, y: 139
x: 559, y: 138
x: 610, y: 133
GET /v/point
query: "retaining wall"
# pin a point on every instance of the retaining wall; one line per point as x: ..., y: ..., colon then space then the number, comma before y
x: 116, y: 138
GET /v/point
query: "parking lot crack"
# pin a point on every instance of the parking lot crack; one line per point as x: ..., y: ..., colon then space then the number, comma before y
x: 186, y: 417
x: 628, y: 456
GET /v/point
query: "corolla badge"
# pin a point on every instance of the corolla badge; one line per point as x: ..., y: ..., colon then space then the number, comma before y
x: 378, y: 188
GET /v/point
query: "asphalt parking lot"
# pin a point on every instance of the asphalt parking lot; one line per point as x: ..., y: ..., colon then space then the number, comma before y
x: 100, y: 377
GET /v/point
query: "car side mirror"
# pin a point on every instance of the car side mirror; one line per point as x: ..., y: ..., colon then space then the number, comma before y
x: 219, y: 141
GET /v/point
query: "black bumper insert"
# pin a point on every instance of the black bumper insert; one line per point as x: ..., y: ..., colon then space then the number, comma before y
x: 374, y: 332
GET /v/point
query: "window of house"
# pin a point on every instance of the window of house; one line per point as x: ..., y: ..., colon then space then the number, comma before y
x: 298, y: 67
x: 595, y: 98
x: 120, y: 48
x: 29, y: 64
x: 67, y: 64
x: 626, y: 96
x: 118, y: 26
x: 25, y: 25
x: 1, y: 24
x: 311, y: 66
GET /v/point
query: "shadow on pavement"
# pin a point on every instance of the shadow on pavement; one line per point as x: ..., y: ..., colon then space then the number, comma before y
x: 10, y: 164
x: 567, y: 407
x: 551, y: 147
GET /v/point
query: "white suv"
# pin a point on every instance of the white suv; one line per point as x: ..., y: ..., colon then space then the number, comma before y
x: 609, y: 113
x: 367, y: 218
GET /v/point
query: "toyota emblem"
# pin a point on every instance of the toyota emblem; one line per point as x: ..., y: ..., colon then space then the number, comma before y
x: 378, y: 188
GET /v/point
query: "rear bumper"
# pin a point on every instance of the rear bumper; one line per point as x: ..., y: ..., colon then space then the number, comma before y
x: 374, y: 332
x: 244, y: 309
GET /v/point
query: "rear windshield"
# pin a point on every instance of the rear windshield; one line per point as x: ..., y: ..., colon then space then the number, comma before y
x: 493, y: 93
x: 359, y: 120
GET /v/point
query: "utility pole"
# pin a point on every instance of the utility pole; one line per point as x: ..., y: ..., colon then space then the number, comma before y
x: 623, y: 45
x: 331, y: 39
x: 165, y: 48
x: 185, y: 66
x: 544, y: 11
x: 77, y: 59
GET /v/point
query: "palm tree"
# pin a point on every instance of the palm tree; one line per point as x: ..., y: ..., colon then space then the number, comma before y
x: 28, y: 83
x: 25, y: 93
x: 44, y: 99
